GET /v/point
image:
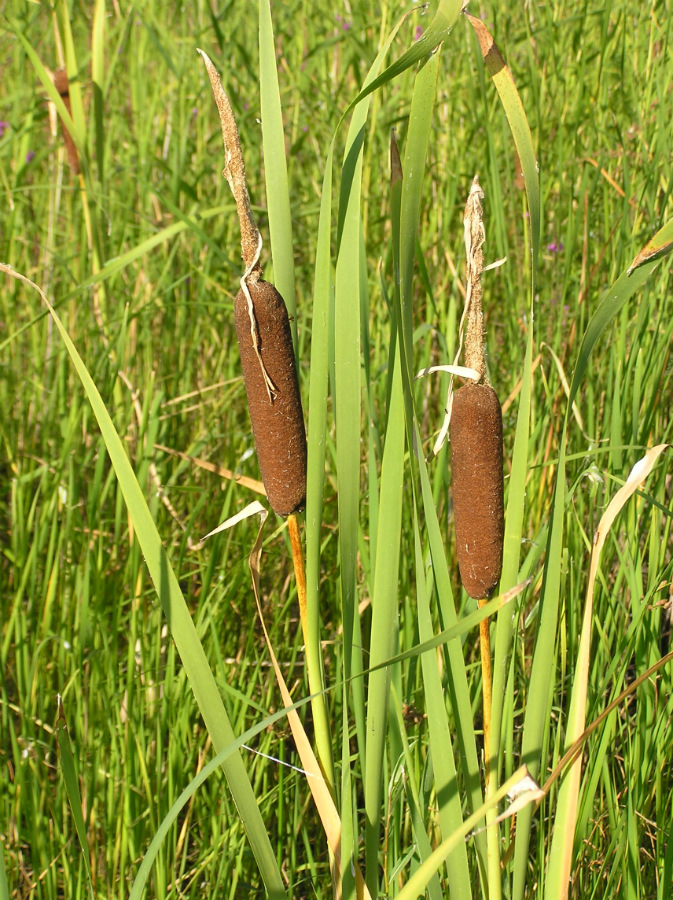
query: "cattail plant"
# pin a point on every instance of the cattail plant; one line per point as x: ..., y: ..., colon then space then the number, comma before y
x: 476, y: 457
x: 476, y: 436
x: 265, y: 342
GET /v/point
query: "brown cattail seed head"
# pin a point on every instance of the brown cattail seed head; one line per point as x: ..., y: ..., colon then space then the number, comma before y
x: 272, y: 387
x: 478, y: 504
x: 61, y: 85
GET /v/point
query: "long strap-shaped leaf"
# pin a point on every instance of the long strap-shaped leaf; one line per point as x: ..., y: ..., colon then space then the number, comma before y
x: 536, y: 721
x: 275, y: 167
x: 182, y: 627
x: 557, y: 881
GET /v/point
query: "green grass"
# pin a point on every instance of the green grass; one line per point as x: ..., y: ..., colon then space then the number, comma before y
x: 140, y: 258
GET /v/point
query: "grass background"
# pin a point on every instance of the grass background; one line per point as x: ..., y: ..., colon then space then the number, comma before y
x: 79, y: 614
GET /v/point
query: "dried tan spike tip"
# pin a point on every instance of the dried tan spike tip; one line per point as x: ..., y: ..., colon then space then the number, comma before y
x: 475, y: 238
x: 234, y: 172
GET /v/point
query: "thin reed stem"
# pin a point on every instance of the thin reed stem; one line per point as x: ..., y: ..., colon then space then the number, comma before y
x: 314, y: 670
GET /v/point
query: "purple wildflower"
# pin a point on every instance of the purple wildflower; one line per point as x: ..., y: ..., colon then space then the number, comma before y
x: 345, y: 24
x: 554, y: 247
x: 418, y: 33
x: 4, y: 126
x: 29, y: 156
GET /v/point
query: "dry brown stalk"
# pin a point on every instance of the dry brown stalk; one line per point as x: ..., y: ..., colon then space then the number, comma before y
x: 234, y: 172
x: 475, y: 238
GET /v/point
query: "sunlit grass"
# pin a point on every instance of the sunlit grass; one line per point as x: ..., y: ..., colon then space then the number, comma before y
x: 79, y: 614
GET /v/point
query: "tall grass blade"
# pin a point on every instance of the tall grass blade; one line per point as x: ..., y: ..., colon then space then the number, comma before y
x: 536, y: 721
x: 180, y: 622
x: 71, y: 779
x: 98, y: 83
x: 190, y: 790
x: 385, y: 604
x: 614, y: 299
x: 437, y: 31
x: 557, y: 880
x: 275, y: 168
x: 518, y: 123
x: 315, y: 477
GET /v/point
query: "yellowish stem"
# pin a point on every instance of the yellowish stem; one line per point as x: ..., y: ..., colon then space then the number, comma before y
x: 486, y: 683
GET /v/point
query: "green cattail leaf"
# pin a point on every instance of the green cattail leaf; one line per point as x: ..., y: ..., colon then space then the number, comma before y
x: 71, y: 780
x: 423, y: 845
x: 350, y: 303
x: 188, y: 792
x: 315, y: 475
x: 349, y: 288
x: 98, y: 81
x: 615, y: 297
x: 518, y: 122
x: 182, y: 627
x: 536, y: 721
x: 437, y: 31
x: 275, y: 168
x: 385, y: 602
x: 4, y: 885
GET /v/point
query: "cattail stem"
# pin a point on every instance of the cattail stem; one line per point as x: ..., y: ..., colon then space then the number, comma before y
x: 299, y: 571
x: 313, y: 661
x: 486, y: 685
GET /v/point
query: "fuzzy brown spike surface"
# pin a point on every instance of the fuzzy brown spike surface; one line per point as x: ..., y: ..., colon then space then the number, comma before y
x: 478, y: 505
x: 272, y: 387
x: 61, y: 85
